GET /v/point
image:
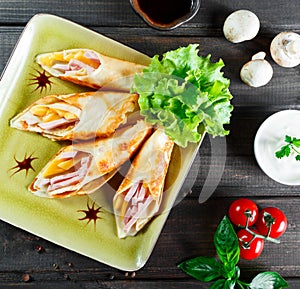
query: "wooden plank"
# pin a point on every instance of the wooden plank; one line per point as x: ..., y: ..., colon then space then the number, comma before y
x: 244, y: 174
x: 119, y: 13
x: 195, y: 225
x: 285, y: 81
x: 116, y: 284
x: 8, y: 39
x: 56, y: 267
x: 241, y: 168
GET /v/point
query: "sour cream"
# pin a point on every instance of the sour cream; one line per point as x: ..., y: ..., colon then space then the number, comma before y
x: 269, y: 138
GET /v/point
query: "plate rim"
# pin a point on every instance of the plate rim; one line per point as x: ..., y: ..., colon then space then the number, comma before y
x: 138, y: 262
x: 257, y: 138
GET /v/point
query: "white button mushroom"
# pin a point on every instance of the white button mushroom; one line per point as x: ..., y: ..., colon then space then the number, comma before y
x: 240, y: 26
x: 285, y: 49
x: 257, y: 72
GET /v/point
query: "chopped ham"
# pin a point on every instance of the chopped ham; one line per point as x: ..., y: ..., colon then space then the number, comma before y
x: 32, y: 121
x: 75, y: 64
x: 60, y: 178
x: 130, y: 212
x: 68, y: 182
x: 69, y: 179
x: 138, y: 204
x: 131, y: 192
x: 92, y: 55
x: 142, y: 207
x: 142, y: 194
x: 61, y: 67
x: 128, y: 215
x: 85, y: 161
x: 44, y: 182
x: 68, y: 155
x: 55, y: 123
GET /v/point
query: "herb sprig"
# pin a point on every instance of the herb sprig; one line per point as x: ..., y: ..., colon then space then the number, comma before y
x: 223, y: 271
x: 292, y: 144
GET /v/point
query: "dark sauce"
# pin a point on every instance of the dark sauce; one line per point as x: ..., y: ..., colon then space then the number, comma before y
x: 165, y: 11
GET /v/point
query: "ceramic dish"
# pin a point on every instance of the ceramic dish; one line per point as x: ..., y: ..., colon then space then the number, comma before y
x: 83, y: 224
x: 194, y: 8
x: 269, y: 138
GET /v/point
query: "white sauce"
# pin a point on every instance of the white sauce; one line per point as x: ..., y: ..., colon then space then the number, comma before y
x: 270, y: 138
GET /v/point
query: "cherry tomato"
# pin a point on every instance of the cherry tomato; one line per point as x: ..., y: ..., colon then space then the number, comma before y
x: 274, y: 217
x: 237, y: 211
x: 250, y: 247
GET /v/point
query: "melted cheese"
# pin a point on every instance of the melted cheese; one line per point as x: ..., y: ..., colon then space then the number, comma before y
x: 61, y: 57
x: 48, y: 113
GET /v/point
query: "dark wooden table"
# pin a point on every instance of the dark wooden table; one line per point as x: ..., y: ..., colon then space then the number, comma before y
x: 190, y: 226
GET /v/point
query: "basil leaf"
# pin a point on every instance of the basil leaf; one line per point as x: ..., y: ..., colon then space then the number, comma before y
x: 229, y: 284
x: 237, y: 273
x: 227, y: 245
x: 268, y: 280
x: 223, y: 284
x: 202, y: 268
x: 219, y: 284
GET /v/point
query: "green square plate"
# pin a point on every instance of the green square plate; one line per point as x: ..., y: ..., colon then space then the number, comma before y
x: 23, y: 154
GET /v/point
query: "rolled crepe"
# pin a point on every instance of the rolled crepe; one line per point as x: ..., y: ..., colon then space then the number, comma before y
x: 89, y: 68
x: 84, y: 167
x: 81, y: 116
x: 139, y: 196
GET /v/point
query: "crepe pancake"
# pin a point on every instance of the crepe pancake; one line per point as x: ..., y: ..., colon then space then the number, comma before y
x: 80, y: 116
x: 139, y: 196
x: 89, y: 68
x: 83, y: 167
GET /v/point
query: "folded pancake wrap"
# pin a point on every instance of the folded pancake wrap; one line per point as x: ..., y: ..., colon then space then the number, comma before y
x: 81, y: 116
x: 83, y: 167
x: 139, y: 196
x: 89, y: 68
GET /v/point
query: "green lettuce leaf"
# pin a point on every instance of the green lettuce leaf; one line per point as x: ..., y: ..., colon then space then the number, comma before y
x: 186, y: 94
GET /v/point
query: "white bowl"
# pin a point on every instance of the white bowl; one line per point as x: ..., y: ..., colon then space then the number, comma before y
x: 269, y: 138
